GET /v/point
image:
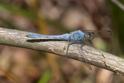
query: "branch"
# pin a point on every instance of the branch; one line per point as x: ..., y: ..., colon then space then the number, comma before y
x: 85, y: 54
x: 119, y: 4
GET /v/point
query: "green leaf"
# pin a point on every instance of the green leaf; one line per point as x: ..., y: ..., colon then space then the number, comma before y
x: 45, y: 77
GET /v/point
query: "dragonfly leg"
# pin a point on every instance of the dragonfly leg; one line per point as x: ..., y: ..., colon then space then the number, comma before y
x: 70, y: 43
x: 89, y: 43
x: 68, y: 48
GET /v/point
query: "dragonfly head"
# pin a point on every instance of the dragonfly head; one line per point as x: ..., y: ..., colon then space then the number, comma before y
x: 89, y: 36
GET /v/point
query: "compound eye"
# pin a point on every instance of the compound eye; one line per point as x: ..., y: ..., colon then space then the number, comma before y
x: 91, y: 35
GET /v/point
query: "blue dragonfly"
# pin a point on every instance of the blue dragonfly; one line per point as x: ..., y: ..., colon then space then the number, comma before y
x: 75, y: 37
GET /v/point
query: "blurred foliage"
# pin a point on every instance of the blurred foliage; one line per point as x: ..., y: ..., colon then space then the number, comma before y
x: 45, y: 77
x: 53, y: 17
x: 15, y: 9
x: 118, y: 23
x: 30, y: 14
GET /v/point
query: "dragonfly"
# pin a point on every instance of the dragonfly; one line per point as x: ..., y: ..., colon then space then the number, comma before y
x: 74, y: 37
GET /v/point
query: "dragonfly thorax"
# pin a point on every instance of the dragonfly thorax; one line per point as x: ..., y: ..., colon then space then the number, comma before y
x: 77, y: 36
